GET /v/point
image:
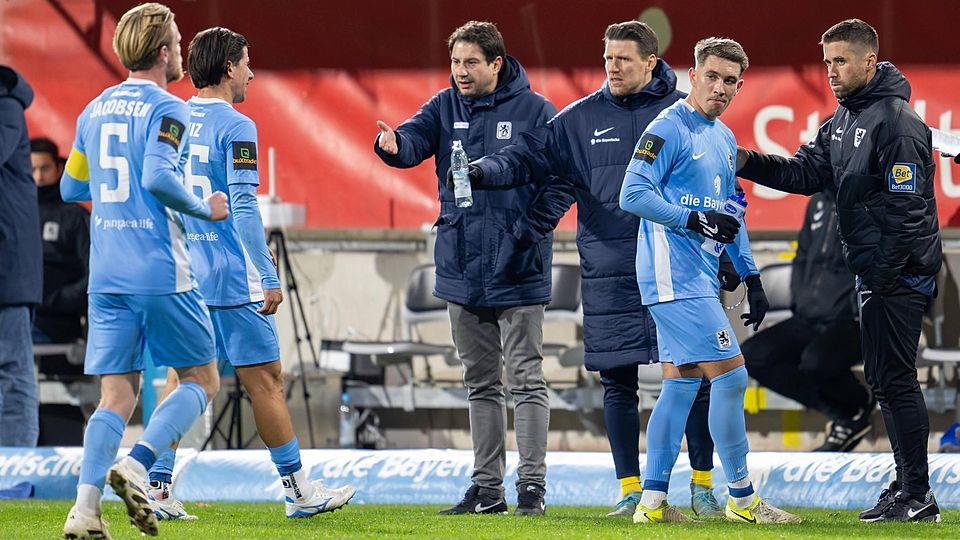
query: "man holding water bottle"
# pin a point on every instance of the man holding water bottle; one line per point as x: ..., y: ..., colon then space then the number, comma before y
x: 681, y: 182
x: 496, y: 284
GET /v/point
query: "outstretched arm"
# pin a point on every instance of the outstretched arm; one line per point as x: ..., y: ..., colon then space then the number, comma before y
x: 804, y: 173
x: 413, y: 141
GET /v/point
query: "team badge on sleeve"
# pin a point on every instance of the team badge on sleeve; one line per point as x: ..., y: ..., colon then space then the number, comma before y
x: 903, y: 178
x: 245, y: 155
x: 648, y: 147
x: 171, y: 131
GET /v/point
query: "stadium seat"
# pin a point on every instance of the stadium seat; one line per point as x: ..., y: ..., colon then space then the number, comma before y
x: 776, y: 284
x: 564, y: 306
x: 943, y: 347
x: 66, y: 396
x: 419, y: 307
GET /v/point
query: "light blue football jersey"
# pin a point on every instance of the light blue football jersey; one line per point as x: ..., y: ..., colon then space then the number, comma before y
x: 137, y: 245
x: 690, y: 162
x: 222, y: 153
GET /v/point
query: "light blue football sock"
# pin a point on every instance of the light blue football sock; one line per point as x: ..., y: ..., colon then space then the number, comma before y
x: 101, y: 440
x: 162, y: 470
x: 287, y: 457
x: 727, y: 424
x: 170, y: 421
x: 665, y: 430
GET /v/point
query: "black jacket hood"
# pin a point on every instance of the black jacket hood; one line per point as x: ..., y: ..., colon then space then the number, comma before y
x: 13, y: 85
x: 888, y: 82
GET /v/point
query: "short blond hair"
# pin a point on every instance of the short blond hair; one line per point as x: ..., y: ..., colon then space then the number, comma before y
x: 140, y: 34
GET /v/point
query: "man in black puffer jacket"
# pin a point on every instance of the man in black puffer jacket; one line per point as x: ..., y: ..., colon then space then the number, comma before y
x: 874, y: 157
x: 808, y: 356
x: 65, y: 228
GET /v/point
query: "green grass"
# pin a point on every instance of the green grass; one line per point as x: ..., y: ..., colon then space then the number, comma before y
x: 222, y: 521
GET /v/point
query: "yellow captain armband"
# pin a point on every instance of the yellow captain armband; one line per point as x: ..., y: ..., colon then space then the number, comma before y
x: 77, y: 166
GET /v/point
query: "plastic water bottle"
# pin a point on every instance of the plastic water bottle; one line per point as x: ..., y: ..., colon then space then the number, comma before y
x: 460, y: 166
x: 348, y: 434
x: 736, y: 206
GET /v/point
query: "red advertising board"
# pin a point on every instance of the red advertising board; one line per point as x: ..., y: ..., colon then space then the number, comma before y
x: 322, y: 122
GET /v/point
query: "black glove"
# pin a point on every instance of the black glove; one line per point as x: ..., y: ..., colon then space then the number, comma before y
x: 757, y: 300
x: 728, y: 276
x: 714, y: 225
x: 956, y: 159
x: 475, y: 174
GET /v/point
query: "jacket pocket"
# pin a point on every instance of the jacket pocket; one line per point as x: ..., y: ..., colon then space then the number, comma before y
x: 449, y: 250
x: 518, y: 261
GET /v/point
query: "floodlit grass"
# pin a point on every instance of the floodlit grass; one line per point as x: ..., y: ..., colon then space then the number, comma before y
x: 221, y: 521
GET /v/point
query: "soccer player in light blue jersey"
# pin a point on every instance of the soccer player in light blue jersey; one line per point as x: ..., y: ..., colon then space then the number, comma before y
x: 681, y: 173
x: 127, y: 158
x: 237, y: 276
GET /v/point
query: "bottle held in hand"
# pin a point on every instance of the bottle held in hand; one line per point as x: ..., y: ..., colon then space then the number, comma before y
x: 460, y: 166
x: 736, y: 206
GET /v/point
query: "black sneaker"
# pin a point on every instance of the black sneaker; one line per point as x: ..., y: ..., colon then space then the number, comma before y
x: 846, y: 434
x: 530, y: 501
x: 906, y: 508
x: 883, y: 502
x: 478, y: 500
x: 466, y: 505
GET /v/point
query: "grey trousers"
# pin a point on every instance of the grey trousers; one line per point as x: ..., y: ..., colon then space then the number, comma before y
x: 486, y: 338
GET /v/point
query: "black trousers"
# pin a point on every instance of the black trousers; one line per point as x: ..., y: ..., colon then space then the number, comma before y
x: 890, y: 331
x: 810, y: 364
x: 622, y: 418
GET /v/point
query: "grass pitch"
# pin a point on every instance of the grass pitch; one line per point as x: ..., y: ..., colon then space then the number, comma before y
x: 222, y: 521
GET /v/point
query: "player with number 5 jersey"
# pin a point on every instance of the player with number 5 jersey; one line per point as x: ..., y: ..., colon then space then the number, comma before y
x: 127, y: 158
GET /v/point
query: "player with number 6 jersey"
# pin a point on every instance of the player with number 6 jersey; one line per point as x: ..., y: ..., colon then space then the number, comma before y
x: 237, y: 277
x: 230, y: 257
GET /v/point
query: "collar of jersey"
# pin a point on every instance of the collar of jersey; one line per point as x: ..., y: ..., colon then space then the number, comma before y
x: 209, y: 101
x: 693, y: 112
x: 131, y: 80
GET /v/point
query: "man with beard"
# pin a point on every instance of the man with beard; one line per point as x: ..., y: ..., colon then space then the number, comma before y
x: 874, y: 157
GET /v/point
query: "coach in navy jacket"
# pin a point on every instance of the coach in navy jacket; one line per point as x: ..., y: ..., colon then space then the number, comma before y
x: 470, y: 241
x: 496, y: 284
x: 588, y: 146
x: 21, y: 265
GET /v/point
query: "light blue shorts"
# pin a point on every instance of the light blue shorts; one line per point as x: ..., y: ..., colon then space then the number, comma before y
x: 245, y: 337
x: 176, y: 328
x: 693, y: 330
